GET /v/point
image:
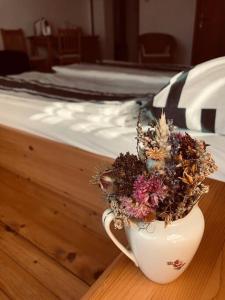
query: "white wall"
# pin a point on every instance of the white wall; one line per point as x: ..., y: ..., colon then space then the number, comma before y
x: 175, y: 17
x: 22, y: 13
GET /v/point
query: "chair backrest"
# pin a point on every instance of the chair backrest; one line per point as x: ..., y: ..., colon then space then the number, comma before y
x: 14, y: 39
x: 157, y: 43
x: 69, y: 41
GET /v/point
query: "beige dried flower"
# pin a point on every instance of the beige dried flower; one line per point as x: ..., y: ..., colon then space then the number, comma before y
x: 162, y: 132
x: 118, y: 223
x: 104, y: 179
x: 156, y: 153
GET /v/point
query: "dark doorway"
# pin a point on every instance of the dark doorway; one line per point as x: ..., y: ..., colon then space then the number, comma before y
x: 126, y: 29
x: 209, y: 34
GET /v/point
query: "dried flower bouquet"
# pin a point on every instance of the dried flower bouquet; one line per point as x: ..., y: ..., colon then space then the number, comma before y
x: 163, y: 182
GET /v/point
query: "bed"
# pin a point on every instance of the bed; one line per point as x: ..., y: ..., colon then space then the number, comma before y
x: 53, y: 145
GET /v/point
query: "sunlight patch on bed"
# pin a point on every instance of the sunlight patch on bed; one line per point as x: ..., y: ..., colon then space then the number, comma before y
x: 105, y: 131
x: 54, y: 114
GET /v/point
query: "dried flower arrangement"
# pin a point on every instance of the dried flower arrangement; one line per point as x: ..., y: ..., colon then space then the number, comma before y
x: 163, y: 182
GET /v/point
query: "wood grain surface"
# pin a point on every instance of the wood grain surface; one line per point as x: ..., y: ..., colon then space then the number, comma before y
x: 52, y: 216
x: 40, y: 227
x: 64, y: 169
x: 204, y: 279
x: 50, y: 219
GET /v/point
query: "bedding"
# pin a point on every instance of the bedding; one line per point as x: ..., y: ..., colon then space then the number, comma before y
x: 114, y: 72
x: 103, y: 127
x: 194, y: 99
x: 37, y: 89
x: 135, y: 79
x: 151, y: 82
x: 115, y: 103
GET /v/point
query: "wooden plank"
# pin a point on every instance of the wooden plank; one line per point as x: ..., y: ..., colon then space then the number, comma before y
x: 204, y: 278
x: 50, y: 274
x: 86, y: 217
x: 215, y: 288
x: 61, y: 168
x: 68, y: 255
x: 3, y: 295
x: 220, y: 295
x: 37, y: 209
x: 83, y: 252
x: 17, y: 284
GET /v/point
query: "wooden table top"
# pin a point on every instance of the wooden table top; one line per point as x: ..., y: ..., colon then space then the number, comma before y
x: 204, y: 278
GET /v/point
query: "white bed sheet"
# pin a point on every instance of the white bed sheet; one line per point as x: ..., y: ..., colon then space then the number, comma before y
x: 135, y: 80
x: 68, y: 123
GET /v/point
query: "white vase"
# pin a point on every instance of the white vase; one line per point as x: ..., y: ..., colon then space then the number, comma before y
x: 161, y: 252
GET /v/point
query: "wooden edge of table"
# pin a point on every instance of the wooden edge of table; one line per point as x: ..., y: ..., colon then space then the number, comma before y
x: 51, y: 141
x: 203, y: 279
x: 63, y: 168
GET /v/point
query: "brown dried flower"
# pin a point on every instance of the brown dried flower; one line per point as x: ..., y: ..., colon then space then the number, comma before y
x: 126, y: 168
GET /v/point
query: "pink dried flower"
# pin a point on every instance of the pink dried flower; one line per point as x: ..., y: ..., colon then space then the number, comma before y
x: 149, y: 190
x: 134, y: 209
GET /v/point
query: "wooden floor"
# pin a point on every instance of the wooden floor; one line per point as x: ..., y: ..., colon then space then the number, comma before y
x: 50, y: 248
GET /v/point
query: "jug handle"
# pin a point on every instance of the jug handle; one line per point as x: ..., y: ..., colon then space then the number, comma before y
x: 107, y: 218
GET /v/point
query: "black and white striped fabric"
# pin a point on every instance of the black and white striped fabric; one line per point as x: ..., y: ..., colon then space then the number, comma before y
x: 194, y: 99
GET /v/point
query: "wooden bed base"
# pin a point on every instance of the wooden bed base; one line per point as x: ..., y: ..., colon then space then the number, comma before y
x: 47, y: 201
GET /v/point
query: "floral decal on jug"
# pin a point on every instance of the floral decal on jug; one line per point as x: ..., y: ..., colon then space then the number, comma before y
x: 177, y: 264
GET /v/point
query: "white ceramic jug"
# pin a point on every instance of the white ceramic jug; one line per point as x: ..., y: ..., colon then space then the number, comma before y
x: 161, y: 252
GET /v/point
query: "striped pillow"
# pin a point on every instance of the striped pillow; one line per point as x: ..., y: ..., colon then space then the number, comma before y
x: 194, y: 99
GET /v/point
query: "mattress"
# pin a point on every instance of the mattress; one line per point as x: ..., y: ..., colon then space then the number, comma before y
x: 105, y: 129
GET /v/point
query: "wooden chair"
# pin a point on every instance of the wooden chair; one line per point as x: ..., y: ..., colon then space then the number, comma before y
x: 156, y: 48
x: 14, y: 40
x: 69, y: 46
